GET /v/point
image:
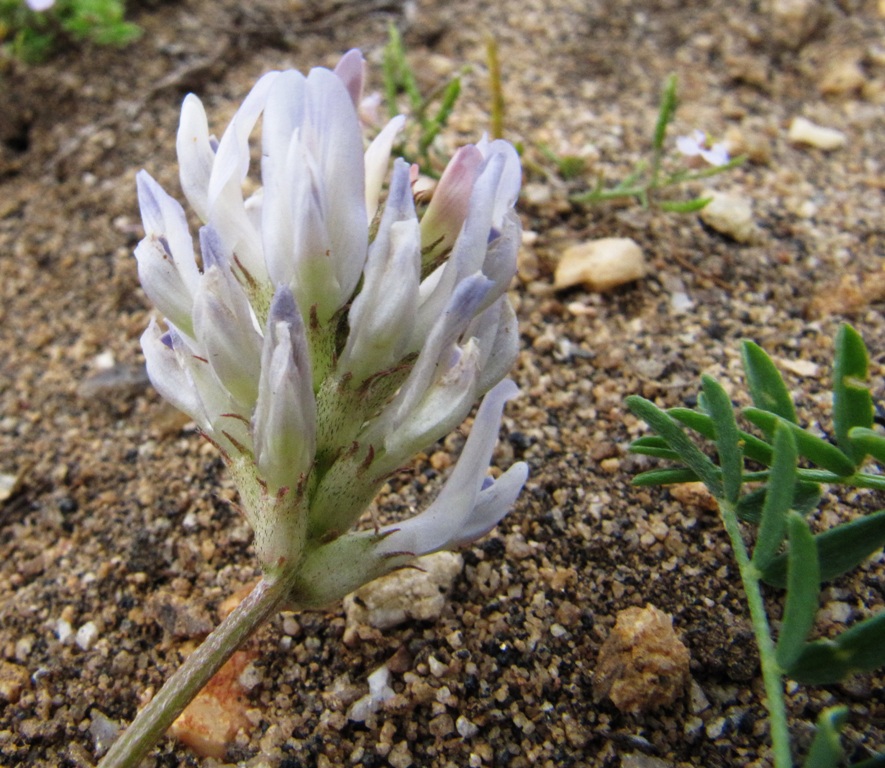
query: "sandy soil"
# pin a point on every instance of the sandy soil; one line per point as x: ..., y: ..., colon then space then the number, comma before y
x: 122, y: 507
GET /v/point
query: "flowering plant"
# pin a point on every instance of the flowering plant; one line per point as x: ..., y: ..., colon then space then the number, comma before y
x: 327, y: 339
x: 30, y: 30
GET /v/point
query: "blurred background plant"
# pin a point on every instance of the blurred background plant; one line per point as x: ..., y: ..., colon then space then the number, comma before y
x: 31, y: 31
x: 661, y: 171
x: 428, y: 113
x: 776, y: 495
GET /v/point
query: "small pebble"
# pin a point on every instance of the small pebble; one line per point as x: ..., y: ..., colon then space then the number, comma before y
x: 642, y: 666
x: 417, y: 594
x: 86, y: 635
x: 379, y: 692
x: 793, y: 22
x: 437, y: 668
x: 63, y: 630
x: 803, y: 131
x: 13, y: 679
x: 103, y: 730
x: 730, y: 215
x: 842, y: 78
x: 465, y: 728
x: 213, y: 718
x: 400, y: 756
x: 600, y: 265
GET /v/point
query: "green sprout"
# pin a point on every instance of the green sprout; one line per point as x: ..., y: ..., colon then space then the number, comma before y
x: 31, y: 36
x: 429, y: 114
x: 776, y: 498
x: 650, y: 177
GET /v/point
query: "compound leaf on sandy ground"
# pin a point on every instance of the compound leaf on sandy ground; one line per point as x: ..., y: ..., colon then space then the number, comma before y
x: 767, y: 387
x: 852, y: 403
x: 803, y: 587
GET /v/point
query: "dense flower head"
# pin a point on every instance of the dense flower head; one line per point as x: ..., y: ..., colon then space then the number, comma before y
x: 320, y: 338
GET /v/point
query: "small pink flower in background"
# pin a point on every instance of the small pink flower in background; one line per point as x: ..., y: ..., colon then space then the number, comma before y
x: 695, y: 145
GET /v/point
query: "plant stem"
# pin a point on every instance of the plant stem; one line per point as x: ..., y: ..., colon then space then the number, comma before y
x: 771, y: 672
x: 151, y: 723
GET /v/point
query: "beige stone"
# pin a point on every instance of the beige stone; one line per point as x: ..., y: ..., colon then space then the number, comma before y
x: 730, y: 215
x: 417, y: 594
x: 601, y: 264
x: 803, y: 131
x: 842, y: 77
x: 13, y: 679
x: 211, y: 721
x: 643, y: 666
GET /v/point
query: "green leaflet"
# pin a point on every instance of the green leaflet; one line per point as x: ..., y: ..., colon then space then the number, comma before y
x: 803, y: 586
x: 753, y: 447
x: 813, y: 448
x: 826, y: 749
x: 869, y: 441
x: 858, y: 649
x: 852, y: 403
x: 806, y: 497
x: 778, y: 499
x: 728, y: 442
x: 688, y: 453
x: 766, y: 385
x: 838, y: 550
x: 665, y: 477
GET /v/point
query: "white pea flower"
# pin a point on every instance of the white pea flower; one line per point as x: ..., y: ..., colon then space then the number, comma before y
x: 324, y: 333
x: 40, y: 5
x: 695, y: 145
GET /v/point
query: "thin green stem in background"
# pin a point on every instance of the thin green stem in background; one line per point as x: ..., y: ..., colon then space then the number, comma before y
x: 497, y: 107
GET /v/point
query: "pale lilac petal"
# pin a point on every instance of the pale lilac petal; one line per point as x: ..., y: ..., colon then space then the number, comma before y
x: 284, y: 424
x: 166, y: 265
x: 439, y: 344
x: 497, y: 334
x: 283, y: 115
x: 377, y: 159
x: 443, y: 407
x: 40, y: 5
x: 168, y: 377
x: 212, y: 249
x: 280, y: 130
x: 164, y: 218
x: 717, y: 154
x: 195, y: 155
x: 469, y: 254
x: 448, y: 521
x: 225, y: 420
x: 233, y: 157
x: 448, y: 208
x: 509, y: 180
x: 162, y: 283
x: 333, y: 133
x: 223, y: 323
x: 310, y: 271
x: 493, y: 503
x: 227, y: 208
x: 351, y: 69
x: 382, y: 312
x: 691, y: 145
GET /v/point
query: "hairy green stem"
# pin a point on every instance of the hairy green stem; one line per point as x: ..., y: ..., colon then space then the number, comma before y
x: 771, y: 672
x: 151, y: 723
